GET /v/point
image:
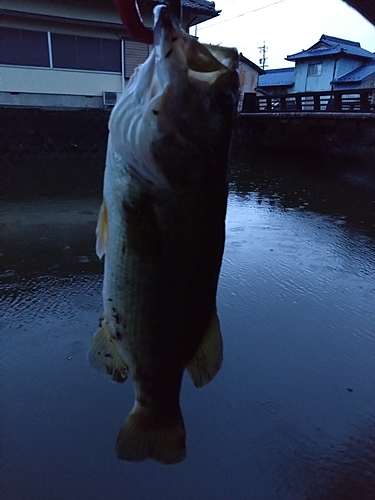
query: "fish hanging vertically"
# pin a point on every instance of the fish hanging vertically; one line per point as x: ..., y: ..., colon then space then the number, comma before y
x: 161, y: 228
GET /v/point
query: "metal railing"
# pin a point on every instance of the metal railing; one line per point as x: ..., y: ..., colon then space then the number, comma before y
x: 341, y: 101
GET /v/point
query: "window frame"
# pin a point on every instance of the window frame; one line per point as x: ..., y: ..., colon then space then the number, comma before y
x: 105, y: 55
x: 318, y: 69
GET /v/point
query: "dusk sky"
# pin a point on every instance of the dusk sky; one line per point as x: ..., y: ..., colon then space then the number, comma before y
x: 286, y: 27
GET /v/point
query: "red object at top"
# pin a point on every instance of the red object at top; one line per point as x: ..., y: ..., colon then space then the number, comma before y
x: 130, y: 18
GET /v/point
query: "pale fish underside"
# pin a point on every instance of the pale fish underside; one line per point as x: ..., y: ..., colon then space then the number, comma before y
x: 161, y: 229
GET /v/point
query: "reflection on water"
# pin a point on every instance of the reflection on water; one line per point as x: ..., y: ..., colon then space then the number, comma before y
x: 292, y: 412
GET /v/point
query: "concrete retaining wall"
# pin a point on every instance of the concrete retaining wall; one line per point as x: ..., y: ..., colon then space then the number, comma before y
x: 51, y: 151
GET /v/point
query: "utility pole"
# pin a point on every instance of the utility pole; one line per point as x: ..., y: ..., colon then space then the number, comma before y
x: 262, y: 61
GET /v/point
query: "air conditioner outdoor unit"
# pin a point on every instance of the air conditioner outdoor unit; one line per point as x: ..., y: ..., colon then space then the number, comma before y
x: 110, y: 98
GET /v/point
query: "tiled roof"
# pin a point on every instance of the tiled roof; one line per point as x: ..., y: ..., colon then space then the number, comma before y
x: 277, y: 77
x: 329, y: 45
x: 199, y: 6
x: 357, y: 74
x: 335, y: 39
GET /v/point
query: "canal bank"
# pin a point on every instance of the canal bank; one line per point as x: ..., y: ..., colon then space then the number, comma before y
x: 36, y: 145
x: 51, y: 151
x: 326, y: 136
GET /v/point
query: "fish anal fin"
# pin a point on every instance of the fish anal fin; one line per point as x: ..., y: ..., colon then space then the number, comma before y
x: 208, y: 359
x: 103, y: 355
x: 102, y: 231
x: 142, y: 436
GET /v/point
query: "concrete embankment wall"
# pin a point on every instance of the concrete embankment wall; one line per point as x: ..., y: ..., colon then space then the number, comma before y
x: 52, y: 151
x: 327, y: 136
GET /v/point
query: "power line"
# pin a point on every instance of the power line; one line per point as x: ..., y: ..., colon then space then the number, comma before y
x: 241, y: 15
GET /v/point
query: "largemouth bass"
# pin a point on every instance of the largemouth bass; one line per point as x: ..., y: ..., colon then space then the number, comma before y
x: 161, y: 229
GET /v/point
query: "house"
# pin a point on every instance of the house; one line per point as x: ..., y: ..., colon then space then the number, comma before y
x: 330, y: 64
x: 362, y: 77
x: 248, y: 76
x: 73, y: 53
x: 276, y: 81
x: 328, y: 59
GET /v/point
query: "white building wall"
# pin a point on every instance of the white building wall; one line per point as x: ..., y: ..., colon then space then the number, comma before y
x: 248, y: 78
x: 300, y: 75
x: 345, y: 65
x: 18, y: 79
x: 330, y: 69
x: 90, y: 18
x: 25, y: 85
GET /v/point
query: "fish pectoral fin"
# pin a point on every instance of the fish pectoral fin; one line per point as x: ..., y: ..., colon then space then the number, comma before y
x: 208, y: 359
x: 143, y: 436
x: 103, y: 355
x: 102, y: 231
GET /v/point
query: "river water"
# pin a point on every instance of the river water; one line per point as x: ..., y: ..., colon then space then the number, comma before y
x: 291, y: 415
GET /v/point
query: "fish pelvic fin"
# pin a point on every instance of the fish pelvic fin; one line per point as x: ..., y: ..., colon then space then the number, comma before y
x: 208, y: 359
x: 143, y: 436
x: 103, y: 355
x: 102, y: 231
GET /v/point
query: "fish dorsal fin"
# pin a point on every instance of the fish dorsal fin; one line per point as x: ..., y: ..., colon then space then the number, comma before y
x: 208, y: 359
x: 103, y: 355
x: 102, y: 231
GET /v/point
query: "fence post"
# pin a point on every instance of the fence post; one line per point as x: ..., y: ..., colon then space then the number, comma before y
x: 364, y: 100
x: 298, y: 103
x: 317, y: 102
x: 337, y: 102
x: 250, y: 104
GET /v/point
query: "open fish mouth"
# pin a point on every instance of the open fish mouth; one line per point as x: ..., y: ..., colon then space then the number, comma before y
x: 183, y: 91
x: 192, y: 55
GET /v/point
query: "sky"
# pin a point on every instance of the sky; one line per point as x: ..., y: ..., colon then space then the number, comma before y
x: 284, y: 26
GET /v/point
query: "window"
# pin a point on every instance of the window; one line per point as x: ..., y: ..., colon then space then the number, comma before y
x: 84, y: 52
x: 23, y: 47
x: 314, y: 69
x: 30, y: 48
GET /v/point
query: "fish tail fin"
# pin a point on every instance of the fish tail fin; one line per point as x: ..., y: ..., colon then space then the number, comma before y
x: 142, y: 436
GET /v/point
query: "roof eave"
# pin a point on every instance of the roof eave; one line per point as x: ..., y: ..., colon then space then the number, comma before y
x: 276, y: 85
x: 253, y: 65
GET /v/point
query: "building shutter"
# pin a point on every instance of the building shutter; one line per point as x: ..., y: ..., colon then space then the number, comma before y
x: 135, y: 54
